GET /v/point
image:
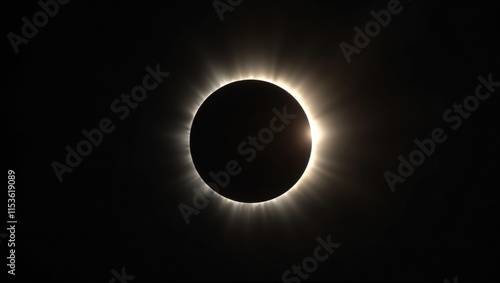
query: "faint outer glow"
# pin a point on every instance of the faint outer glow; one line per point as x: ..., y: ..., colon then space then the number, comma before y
x: 322, y: 138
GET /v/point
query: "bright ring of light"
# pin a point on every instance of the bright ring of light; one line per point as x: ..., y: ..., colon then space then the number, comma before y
x: 315, y: 136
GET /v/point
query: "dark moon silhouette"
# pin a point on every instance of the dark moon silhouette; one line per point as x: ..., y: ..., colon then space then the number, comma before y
x: 250, y: 141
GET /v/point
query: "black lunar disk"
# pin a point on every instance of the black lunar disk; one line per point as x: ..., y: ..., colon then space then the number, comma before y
x: 250, y: 141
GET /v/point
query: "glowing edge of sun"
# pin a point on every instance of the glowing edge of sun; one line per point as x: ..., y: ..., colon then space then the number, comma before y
x: 310, y: 175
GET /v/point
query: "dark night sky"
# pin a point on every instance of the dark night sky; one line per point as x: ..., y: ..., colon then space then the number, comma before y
x: 119, y: 207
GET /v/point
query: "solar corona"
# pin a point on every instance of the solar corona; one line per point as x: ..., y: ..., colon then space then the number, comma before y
x: 250, y: 141
x: 300, y: 91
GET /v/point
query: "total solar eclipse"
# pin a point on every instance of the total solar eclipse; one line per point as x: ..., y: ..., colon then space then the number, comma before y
x: 250, y: 141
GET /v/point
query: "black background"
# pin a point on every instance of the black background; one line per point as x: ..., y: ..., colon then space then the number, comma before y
x: 119, y: 208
